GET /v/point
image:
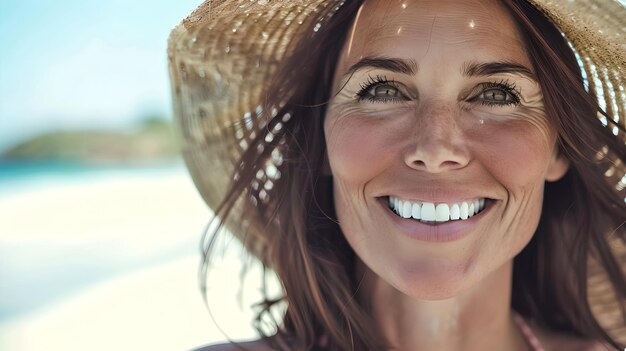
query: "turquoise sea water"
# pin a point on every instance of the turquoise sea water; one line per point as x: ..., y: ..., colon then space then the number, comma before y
x: 17, y: 176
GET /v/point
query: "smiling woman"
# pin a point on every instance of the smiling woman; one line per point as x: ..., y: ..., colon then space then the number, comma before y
x: 419, y: 174
x: 446, y: 133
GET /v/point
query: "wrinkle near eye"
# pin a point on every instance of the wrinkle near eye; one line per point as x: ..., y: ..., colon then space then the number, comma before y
x: 346, y: 102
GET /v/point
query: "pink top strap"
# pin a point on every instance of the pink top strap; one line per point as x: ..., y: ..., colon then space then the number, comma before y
x: 528, y: 333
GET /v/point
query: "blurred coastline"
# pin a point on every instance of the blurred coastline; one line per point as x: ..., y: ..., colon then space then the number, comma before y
x: 151, y: 141
x: 99, y: 236
x: 100, y: 222
x: 92, y: 249
x: 18, y: 176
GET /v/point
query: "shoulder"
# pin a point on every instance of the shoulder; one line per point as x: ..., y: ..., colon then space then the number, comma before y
x: 257, y: 345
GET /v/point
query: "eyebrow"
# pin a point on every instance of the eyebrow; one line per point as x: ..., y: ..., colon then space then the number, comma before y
x: 469, y: 69
x: 392, y: 64
x: 472, y: 69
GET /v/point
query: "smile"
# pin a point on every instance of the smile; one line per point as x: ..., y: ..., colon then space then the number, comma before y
x: 429, y: 212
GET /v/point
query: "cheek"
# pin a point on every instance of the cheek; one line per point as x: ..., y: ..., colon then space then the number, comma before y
x: 516, y: 153
x: 357, y: 151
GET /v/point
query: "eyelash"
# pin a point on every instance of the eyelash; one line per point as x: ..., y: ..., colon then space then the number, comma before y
x: 504, y: 85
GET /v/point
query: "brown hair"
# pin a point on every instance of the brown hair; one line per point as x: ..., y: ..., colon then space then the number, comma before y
x: 314, y: 262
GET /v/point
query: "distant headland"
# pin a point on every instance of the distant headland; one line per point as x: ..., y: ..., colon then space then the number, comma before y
x: 153, y: 141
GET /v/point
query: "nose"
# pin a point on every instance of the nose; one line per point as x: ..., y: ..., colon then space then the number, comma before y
x: 438, y: 143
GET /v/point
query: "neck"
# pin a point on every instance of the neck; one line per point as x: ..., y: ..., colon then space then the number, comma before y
x: 477, y: 319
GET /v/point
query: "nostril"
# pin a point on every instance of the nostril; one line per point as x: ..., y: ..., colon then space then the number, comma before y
x: 449, y: 164
x: 436, y: 166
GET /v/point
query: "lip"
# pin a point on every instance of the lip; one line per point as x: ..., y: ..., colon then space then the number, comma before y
x: 436, y: 232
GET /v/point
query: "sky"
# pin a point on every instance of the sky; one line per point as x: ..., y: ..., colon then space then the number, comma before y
x: 74, y: 64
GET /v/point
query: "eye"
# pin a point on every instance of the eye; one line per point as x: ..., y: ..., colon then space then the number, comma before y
x: 380, y: 90
x: 384, y: 91
x: 498, y: 94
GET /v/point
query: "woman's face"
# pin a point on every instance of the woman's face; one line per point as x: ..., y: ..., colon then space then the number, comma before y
x: 437, y: 116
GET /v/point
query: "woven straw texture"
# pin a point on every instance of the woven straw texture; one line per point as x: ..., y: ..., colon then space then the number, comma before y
x: 219, y: 53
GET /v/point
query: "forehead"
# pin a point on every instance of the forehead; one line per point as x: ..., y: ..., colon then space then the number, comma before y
x: 412, y: 28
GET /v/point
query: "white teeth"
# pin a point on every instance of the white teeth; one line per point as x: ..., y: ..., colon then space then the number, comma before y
x: 464, y: 209
x: 428, y: 211
x: 442, y: 213
x: 417, y: 211
x: 455, y: 211
x: 406, y: 209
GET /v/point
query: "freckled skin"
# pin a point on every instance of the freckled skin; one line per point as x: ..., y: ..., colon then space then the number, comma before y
x: 435, y: 138
x: 509, y: 154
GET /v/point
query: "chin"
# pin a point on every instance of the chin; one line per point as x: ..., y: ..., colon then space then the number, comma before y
x: 431, y: 283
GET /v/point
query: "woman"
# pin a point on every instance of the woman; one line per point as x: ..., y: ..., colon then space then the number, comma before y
x: 421, y: 175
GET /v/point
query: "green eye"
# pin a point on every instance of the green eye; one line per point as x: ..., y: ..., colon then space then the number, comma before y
x: 379, y: 89
x: 498, y: 94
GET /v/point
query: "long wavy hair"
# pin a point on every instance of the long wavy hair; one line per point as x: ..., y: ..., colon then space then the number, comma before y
x: 315, y: 263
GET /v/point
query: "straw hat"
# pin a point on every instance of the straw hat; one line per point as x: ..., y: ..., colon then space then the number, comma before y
x: 220, y: 55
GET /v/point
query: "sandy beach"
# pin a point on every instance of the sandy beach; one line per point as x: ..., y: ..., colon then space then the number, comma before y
x: 110, y: 263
